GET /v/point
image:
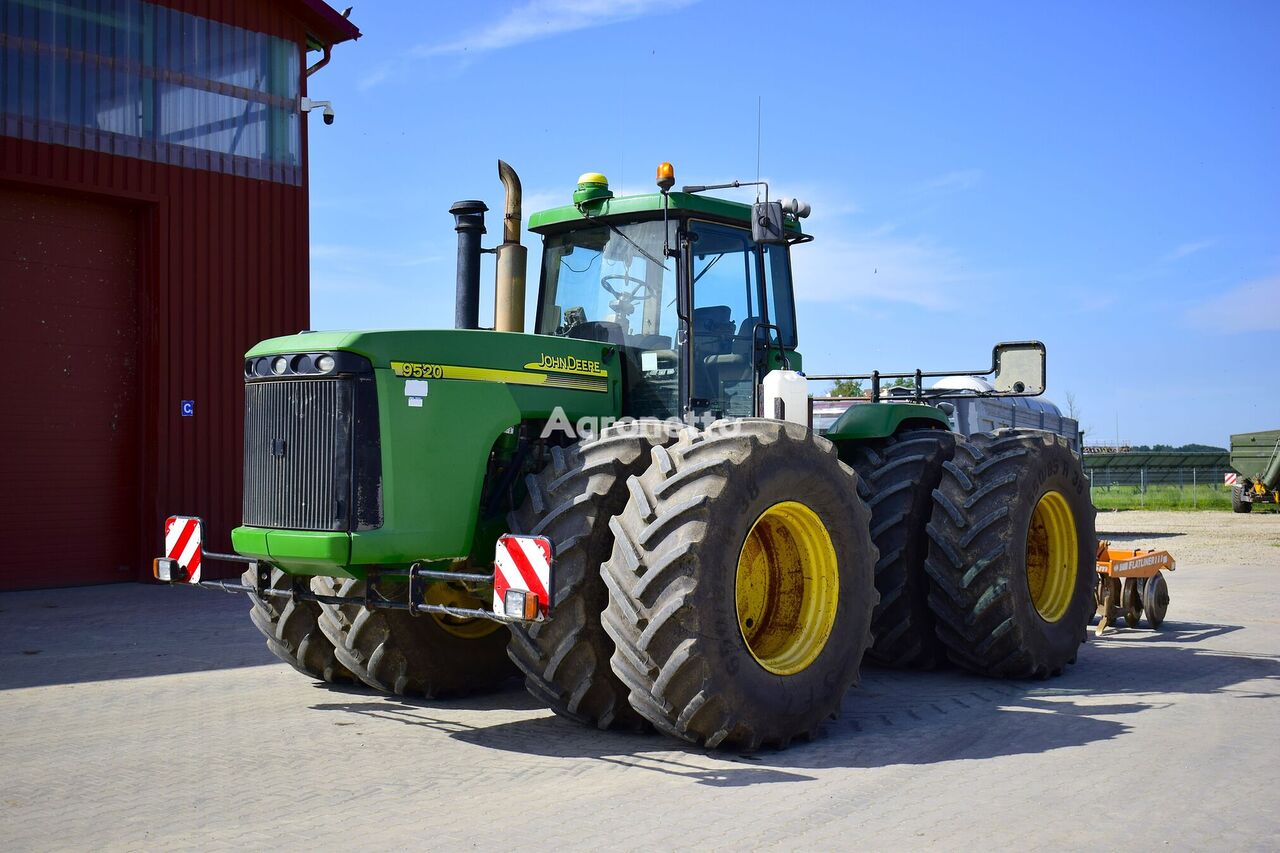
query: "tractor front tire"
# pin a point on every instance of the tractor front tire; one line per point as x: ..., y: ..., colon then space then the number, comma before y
x: 1012, y: 559
x: 741, y: 585
x: 565, y: 660
x: 292, y: 630
x: 413, y: 655
x: 899, y: 476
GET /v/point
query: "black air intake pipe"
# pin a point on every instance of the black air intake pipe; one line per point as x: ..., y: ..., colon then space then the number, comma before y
x: 469, y: 223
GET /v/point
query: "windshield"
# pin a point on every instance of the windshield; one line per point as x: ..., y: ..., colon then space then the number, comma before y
x: 598, y: 275
x: 609, y: 284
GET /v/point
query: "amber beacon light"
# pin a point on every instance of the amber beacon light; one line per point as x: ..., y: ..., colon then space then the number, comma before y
x: 666, y: 176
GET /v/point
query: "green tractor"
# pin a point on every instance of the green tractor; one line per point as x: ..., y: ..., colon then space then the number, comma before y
x: 628, y: 506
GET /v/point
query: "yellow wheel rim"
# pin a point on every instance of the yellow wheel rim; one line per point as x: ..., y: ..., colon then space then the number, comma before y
x: 787, y: 588
x: 1052, y: 552
x: 452, y: 596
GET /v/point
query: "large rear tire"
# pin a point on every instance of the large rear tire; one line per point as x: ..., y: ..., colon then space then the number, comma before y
x: 1238, y: 503
x: 424, y: 655
x: 292, y: 630
x: 741, y: 585
x: 1012, y: 558
x: 565, y: 660
x: 900, y: 476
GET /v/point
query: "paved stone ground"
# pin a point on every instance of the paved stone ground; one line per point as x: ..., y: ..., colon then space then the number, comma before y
x: 154, y: 718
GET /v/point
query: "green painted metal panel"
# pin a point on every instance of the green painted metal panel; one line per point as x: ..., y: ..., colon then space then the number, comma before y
x: 651, y: 203
x: 303, y: 552
x: 309, y: 551
x: 250, y: 541
x: 479, y: 385
x: 1256, y: 455
x: 881, y: 420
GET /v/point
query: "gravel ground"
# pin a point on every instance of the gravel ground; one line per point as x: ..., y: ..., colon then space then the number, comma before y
x: 147, y: 718
x: 1198, y: 537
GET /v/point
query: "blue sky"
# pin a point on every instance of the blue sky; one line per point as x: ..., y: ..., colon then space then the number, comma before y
x: 1104, y: 177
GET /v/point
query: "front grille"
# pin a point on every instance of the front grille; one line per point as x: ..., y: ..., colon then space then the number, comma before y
x: 312, y: 446
x: 297, y: 453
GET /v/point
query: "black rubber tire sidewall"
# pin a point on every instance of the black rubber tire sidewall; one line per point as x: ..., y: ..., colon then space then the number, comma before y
x: 437, y: 663
x: 733, y: 517
x: 1054, y: 469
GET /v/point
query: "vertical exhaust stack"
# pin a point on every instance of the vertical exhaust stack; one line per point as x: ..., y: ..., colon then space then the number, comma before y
x: 469, y: 223
x: 508, y: 304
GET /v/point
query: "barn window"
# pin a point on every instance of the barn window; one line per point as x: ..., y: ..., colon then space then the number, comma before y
x: 136, y: 79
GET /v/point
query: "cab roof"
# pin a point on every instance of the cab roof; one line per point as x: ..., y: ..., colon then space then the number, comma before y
x: 545, y: 221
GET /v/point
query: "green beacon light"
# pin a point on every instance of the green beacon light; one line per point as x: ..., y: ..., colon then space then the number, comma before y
x: 592, y: 187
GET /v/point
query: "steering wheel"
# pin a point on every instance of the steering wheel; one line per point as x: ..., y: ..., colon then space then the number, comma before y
x: 641, y: 290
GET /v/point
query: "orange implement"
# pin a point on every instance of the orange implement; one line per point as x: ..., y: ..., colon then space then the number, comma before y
x: 1120, y: 563
x: 1130, y: 582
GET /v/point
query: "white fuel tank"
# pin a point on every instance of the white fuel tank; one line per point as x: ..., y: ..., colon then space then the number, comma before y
x: 785, y: 396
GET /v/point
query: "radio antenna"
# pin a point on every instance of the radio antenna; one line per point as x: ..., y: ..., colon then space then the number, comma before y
x: 759, y: 103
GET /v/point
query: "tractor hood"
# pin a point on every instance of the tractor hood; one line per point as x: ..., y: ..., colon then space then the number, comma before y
x: 445, y: 401
x: 523, y: 361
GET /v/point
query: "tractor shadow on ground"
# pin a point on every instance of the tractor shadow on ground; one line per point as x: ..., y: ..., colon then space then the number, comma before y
x: 553, y: 737
x: 509, y: 696
x: 125, y: 630
x: 912, y: 718
x: 1170, y: 632
x: 1112, y: 536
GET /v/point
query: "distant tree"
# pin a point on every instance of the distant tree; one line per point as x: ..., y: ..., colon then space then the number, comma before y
x: 847, y: 388
x: 1073, y: 409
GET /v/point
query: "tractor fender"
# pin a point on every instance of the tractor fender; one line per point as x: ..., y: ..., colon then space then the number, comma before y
x: 881, y: 420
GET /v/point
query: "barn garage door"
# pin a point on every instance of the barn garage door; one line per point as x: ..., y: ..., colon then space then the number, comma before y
x: 69, y: 438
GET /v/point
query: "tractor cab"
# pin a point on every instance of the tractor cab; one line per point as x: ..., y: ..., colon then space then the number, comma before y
x: 698, y: 301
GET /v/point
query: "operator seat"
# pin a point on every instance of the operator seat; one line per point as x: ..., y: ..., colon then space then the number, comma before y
x: 713, y: 333
x: 603, y: 331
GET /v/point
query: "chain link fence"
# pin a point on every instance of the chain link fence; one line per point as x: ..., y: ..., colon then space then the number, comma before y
x: 1159, y: 488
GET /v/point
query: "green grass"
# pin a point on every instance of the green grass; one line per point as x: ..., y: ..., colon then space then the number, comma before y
x: 1204, y: 497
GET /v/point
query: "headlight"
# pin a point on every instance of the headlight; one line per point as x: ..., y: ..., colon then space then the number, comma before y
x: 325, y: 363
x: 279, y: 365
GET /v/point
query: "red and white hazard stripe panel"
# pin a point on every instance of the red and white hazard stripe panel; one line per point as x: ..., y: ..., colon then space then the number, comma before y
x: 522, y: 577
x: 182, y: 537
x: 1229, y: 479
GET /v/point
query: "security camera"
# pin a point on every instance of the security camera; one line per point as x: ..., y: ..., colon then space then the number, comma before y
x: 306, y: 105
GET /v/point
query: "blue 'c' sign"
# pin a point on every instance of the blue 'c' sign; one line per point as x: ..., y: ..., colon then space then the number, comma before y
x: 188, y: 408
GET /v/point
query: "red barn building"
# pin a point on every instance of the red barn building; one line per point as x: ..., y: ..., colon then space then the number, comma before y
x: 153, y: 225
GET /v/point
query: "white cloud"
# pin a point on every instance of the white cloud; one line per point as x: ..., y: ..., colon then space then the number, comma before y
x: 536, y: 200
x: 1250, y: 307
x: 380, y: 72
x: 1190, y: 249
x: 879, y: 266
x: 542, y: 18
x: 956, y: 181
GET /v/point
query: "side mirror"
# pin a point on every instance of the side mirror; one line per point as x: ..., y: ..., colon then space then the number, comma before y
x: 1019, y: 368
x: 766, y: 223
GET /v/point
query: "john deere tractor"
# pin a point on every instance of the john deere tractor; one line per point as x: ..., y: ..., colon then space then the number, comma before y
x: 627, y: 505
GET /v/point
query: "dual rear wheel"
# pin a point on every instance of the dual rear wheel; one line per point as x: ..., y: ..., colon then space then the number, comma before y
x: 741, y: 585
x: 1011, y: 558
